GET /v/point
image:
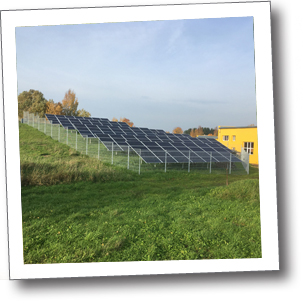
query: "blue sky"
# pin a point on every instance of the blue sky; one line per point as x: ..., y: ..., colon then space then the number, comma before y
x: 158, y: 74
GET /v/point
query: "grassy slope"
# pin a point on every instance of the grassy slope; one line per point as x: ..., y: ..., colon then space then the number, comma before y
x: 47, y: 162
x: 122, y: 216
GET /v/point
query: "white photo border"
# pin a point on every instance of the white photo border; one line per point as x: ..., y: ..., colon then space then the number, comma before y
x: 260, y: 11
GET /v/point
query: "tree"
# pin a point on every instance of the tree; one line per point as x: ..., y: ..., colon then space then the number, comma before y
x: 207, y: 131
x: 127, y: 121
x: 199, y: 131
x: 187, y: 131
x: 32, y: 101
x: 193, y: 133
x: 83, y: 113
x: 70, y: 104
x: 53, y: 108
x: 114, y: 119
x: 216, y: 131
x: 178, y: 130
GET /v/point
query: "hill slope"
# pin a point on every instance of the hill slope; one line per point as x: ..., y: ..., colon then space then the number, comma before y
x: 45, y: 161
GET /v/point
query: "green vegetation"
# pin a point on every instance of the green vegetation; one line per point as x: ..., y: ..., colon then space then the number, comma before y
x: 33, y: 101
x: 47, y: 162
x: 96, y: 212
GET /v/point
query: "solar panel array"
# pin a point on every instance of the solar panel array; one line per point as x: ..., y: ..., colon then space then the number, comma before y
x: 153, y: 145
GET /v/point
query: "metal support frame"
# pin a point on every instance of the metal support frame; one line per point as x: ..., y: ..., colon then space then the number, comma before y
x: 188, y: 160
x: 127, y: 157
x: 230, y: 163
x: 165, y: 161
x: 67, y: 136
x: 139, y: 161
x: 86, y: 144
x: 98, y: 149
x: 44, y: 125
x: 51, y: 128
x: 210, y: 162
x: 112, y: 152
x: 245, y: 161
x: 59, y: 133
x: 76, y: 140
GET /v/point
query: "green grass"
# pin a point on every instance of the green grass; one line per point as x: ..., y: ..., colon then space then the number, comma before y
x: 104, y: 213
x: 45, y: 161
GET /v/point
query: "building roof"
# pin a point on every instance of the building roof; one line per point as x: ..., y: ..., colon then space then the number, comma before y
x: 207, y: 137
x: 226, y: 127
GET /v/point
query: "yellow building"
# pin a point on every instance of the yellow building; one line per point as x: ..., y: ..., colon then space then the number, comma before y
x: 236, y: 138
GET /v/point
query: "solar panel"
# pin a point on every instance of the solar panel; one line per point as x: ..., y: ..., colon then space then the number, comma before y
x: 52, y: 118
x: 153, y: 145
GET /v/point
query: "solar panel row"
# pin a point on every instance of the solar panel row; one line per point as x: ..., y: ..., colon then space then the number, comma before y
x: 153, y: 145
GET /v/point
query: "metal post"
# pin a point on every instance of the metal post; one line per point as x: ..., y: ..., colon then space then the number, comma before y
x: 59, y: 133
x: 112, y: 152
x: 165, y: 160
x: 38, y: 123
x: 51, y: 128
x: 189, y: 161
x: 67, y: 136
x: 210, y: 163
x: 76, y: 140
x: 248, y: 164
x: 139, y: 161
x: 45, y: 126
x: 86, y: 144
x: 127, y: 157
x: 98, y: 149
x: 230, y: 164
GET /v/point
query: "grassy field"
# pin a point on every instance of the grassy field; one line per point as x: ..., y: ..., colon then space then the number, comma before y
x: 78, y: 209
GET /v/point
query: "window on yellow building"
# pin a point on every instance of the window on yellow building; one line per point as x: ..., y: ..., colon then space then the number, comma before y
x: 249, y: 147
x: 234, y: 138
x: 225, y: 138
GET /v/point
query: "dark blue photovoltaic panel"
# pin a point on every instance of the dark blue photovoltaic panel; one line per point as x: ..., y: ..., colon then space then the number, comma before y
x: 52, y: 118
x: 153, y: 145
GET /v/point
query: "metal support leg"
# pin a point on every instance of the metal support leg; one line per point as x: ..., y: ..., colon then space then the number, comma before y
x: 139, y: 161
x: 98, y: 149
x: 127, y: 157
x: 112, y: 152
x: 230, y: 164
x: 210, y: 163
x: 86, y: 144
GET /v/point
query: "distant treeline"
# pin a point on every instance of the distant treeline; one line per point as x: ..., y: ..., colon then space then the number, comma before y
x: 199, y: 131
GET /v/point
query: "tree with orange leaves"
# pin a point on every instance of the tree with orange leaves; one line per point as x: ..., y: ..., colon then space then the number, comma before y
x: 199, y: 131
x: 70, y: 104
x: 127, y: 121
x: 114, y: 119
x: 53, y: 108
x: 178, y: 130
x: 83, y: 113
x: 193, y: 133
